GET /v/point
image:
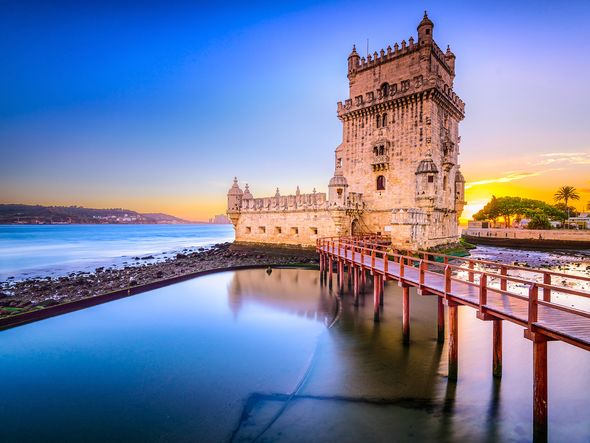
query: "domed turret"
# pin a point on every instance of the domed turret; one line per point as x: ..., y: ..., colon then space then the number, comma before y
x: 247, y: 195
x: 234, y: 197
x: 426, y: 181
x: 427, y: 166
x: 354, y: 61
x: 337, y: 189
x: 450, y: 59
x: 425, y: 29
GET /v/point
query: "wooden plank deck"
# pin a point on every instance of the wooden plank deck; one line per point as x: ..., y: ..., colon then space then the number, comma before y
x: 555, y: 323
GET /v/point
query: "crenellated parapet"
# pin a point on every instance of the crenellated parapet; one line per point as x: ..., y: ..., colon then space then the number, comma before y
x: 398, y: 93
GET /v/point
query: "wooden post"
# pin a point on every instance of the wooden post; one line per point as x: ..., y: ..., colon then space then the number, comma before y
x: 497, y: 348
x: 401, y: 268
x: 503, y: 272
x: 349, y: 275
x: 406, y: 313
x: 546, y: 291
x: 373, y: 259
x: 441, y: 320
x: 483, y: 292
x: 330, y: 270
x: 447, y: 280
x: 385, y: 262
x: 376, y: 288
x: 421, y: 273
x: 453, y: 341
x: 470, y: 271
x: 539, y: 389
x: 381, y: 289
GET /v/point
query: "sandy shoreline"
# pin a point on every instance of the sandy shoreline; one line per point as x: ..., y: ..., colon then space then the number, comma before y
x: 33, y: 294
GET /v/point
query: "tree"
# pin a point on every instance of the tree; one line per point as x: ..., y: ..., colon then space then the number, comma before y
x: 571, y: 210
x: 565, y: 194
x: 517, y: 207
x: 539, y: 220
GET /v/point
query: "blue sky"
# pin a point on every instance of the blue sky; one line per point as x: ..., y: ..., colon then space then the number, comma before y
x: 155, y: 106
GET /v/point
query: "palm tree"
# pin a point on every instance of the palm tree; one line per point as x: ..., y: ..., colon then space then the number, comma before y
x: 565, y: 194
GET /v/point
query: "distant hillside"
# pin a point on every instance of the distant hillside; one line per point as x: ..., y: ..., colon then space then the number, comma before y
x: 37, y: 214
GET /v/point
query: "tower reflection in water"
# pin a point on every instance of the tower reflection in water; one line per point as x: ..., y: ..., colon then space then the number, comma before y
x: 363, y: 382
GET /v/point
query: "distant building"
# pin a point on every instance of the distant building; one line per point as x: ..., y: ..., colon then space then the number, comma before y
x: 396, y: 170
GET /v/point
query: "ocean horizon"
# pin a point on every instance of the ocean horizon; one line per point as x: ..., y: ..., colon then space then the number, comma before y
x: 28, y: 251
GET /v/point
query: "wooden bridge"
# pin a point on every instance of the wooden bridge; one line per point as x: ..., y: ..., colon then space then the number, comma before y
x: 497, y: 291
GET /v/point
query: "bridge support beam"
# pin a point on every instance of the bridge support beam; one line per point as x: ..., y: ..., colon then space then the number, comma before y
x: 381, y: 289
x: 453, y: 341
x: 355, y: 284
x: 376, y: 296
x: 330, y: 271
x: 340, y: 277
x: 363, y: 280
x: 539, y: 388
x: 440, y: 338
x: 349, y: 275
x: 406, y: 314
x: 497, y: 348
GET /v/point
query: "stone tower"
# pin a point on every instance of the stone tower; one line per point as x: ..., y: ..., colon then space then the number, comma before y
x: 400, y: 141
x: 396, y: 171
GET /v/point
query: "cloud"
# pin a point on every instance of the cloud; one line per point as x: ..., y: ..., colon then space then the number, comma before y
x: 565, y: 158
x: 510, y: 176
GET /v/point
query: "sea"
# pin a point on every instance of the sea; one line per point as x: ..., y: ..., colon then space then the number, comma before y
x: 28, y: 251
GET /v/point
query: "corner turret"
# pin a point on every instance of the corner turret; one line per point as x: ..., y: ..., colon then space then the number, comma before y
x: 234, y: 201
x: 425, y: 29
x: 354, y: 61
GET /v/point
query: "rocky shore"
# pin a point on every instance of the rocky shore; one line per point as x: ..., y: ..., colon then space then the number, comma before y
x: 32, y: 294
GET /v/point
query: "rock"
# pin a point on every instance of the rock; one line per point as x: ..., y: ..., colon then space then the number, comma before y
x: 180, y: 256
x: 159, y: 274
x: 49, y: 302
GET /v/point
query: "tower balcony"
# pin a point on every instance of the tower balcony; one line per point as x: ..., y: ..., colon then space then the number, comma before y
x: 380, y: 162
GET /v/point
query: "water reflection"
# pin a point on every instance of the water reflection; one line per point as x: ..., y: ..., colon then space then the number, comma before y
x: 294, y: 291
x: 239, y: 356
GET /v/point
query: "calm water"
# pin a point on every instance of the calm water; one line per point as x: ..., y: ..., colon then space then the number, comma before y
x: 40, y: 250
x: 240, y: 355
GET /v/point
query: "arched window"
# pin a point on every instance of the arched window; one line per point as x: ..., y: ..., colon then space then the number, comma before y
x: 382, y: 150
x: 380, y: 183
x: 378, y: 120
x: 385, y: 89
x: 384, y: 120
x: 445, y: 183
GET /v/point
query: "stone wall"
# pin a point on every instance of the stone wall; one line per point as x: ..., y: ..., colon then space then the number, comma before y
x: 285, y: 227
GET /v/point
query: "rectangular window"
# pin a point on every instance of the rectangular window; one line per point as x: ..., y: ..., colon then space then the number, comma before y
x: 262, y: 229
x: 278, y: 230
x: 248, y: 229
x: 294, y: 231
x: 430, y: 179
x: 314, y: 231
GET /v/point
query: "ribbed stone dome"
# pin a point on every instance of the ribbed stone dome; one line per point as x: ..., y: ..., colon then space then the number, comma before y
x: 425, y: 21
x: 426, y: 166
x: 235, y: 189
x: 338, y: 180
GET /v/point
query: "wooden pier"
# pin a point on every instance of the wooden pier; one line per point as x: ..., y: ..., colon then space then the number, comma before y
x: 486, y: 286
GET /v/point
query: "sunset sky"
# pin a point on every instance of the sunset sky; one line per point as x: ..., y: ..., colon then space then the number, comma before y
x: 156, y: 106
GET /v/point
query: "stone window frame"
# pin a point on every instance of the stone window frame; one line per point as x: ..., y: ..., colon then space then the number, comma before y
x: 248, y: 230
x: 314, y: 231
x: 380, y: 183
x: 262, y: 229
x: 278, y: 230
x: 294, y: 230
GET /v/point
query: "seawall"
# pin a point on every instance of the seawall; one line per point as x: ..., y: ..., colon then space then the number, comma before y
x: 529, y: 238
